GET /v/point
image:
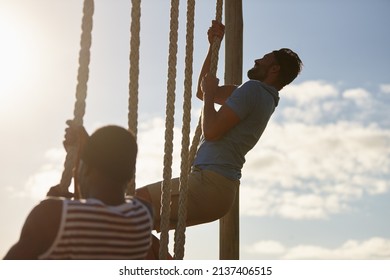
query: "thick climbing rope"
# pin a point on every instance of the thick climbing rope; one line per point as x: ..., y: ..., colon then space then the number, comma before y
x: 81, y: 89
x: 186, y: 128
x: 134, y: 74
x: 213, y: 70
x: 217, y: 42
x: 169, y: 123
x: 165, y: 200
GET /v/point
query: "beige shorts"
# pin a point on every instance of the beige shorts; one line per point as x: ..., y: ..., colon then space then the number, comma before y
x: 209, y: 197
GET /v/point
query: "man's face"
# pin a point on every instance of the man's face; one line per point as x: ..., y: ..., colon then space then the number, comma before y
x: 260, y: 69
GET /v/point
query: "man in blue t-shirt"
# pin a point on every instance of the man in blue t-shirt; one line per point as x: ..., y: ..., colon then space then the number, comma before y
x: 228, y: 133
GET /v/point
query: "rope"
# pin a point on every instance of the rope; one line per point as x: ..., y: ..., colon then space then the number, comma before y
x: 182, y: 208
x: 185, y: 165
x: 217, y: 42
x: 81, y: 89
x: 134, y: 74
x: 213, y: 70
x: 169, y: 123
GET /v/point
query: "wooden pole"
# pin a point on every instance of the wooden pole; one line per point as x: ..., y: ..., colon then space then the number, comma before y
x: 229, y: 226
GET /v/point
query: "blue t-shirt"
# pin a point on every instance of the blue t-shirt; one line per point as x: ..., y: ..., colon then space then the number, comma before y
x: 254, y: 102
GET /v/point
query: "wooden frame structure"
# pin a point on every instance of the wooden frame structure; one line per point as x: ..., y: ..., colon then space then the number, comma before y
x: 229, y: 239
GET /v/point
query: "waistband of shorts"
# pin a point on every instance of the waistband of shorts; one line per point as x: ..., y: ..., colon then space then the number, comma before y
x: 198, y: 168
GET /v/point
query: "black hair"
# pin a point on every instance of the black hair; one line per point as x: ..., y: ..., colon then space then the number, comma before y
x: 290, y: 65
x: 112, y: 150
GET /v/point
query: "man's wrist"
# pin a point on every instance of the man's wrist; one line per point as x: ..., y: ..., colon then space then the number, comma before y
x: 207, y: 97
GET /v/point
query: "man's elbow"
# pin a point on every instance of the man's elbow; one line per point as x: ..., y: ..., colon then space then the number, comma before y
x: 211, y: 135
x: 199, y: 94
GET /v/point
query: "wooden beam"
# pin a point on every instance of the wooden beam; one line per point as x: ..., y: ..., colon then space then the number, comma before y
x: 233, y: 41
x: 229, y: 226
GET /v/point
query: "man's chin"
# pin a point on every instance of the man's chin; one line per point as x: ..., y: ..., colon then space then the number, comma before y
x: 250, y: 74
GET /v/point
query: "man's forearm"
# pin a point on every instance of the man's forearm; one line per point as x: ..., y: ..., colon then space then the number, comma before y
x: 205, y: 70
x: 208, y: 117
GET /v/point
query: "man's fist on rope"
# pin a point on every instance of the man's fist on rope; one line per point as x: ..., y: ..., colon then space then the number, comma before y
x: 75, y: 137
x: 216, y: 30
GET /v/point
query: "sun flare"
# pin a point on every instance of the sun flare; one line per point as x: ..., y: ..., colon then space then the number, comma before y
x: 17, y: 55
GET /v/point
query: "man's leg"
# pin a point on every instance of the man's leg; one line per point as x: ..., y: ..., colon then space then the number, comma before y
x: 152, y: 194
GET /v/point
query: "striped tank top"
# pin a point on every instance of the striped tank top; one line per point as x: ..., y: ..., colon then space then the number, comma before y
x: 89, y: 229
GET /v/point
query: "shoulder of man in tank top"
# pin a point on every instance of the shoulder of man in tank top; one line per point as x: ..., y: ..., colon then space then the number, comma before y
x: 146, y: 203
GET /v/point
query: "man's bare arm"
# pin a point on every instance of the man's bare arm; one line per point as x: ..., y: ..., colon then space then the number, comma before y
x: 222, y: 92
x: 215, y: 124
x: 38, y: 231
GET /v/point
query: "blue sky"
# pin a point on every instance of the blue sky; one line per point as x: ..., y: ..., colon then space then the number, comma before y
x: 316, y: 186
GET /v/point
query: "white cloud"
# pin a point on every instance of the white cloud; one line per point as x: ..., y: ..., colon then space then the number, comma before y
x: 309, y: 92
x: 373, y: 248
x: 359, y: 96
x: 300, y: 171
x: 385, y: 88
x: 38, y: 184
x: 311, y: 114
x: 266, y: 247
x: 309, y: 102
x: 47, y: 176
x: 318, y: 102
x: 319, y: 154
x: 151, y: 152
x: 357, y: 93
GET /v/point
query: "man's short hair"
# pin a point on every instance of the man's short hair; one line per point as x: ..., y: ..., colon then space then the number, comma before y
x: 112, y: 150
x: 290, y: 65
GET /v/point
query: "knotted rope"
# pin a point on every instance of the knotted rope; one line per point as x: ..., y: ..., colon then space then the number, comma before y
x: 81, y: 90
x: 134, y: 74
x: 169, y: 123
x: 186, y: 128
x: 185, y: 155
x: 213, y: 70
